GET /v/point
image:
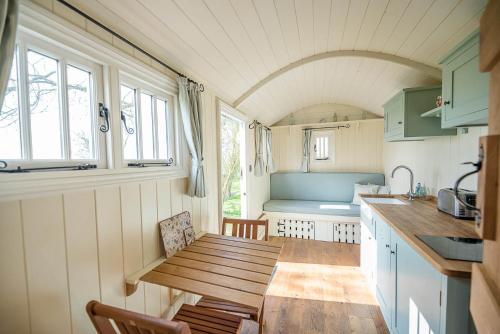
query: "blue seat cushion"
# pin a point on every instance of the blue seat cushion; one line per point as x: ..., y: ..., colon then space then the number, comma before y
x: 330, y: 186
x: 313, y: 207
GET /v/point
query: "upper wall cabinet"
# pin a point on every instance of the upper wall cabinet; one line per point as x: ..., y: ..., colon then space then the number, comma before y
x: 402, y: 115
x: 465, y: 88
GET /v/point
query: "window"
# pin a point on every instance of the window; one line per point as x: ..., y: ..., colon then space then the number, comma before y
x: 147, y: 123
x: 322, y: 145
x: 49, y: 111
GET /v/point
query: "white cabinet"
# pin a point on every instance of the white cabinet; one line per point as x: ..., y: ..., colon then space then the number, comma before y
x: 368, y: 249
x: 385, y: 271
x: 417, y: 303
x: 413, y: 296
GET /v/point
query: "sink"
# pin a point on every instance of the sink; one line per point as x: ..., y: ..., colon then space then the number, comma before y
x: 384, y: 200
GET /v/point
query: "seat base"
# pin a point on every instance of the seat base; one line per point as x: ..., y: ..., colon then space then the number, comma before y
x: 202, y: 320
x: 219, y: 305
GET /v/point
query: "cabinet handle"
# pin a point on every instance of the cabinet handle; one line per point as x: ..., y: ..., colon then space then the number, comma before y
x: 393, y: 252
x: 446, y: 102
x: 386, y: 246
x: 400, y: 122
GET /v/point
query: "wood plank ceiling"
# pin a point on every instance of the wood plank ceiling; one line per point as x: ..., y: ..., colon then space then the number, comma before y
x: 231, y: 45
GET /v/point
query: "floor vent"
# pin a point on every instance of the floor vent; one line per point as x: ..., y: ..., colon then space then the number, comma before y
x: 293, y: 228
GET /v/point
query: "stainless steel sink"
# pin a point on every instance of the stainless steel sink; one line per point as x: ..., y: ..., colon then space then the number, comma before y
x: 384, y: 200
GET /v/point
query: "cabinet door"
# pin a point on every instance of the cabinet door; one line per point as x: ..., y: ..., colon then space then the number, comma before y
x: 365, y: 251
x: 384, y: 287
x: 417, y: 295
x: 465, y: 89
x: 394, y: 117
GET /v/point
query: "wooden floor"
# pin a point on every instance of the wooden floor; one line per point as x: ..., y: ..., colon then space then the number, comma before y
x: 319, y: 288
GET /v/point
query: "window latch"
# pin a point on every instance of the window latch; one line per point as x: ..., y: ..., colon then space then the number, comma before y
x: 130, y: 131
x: 104, y: 113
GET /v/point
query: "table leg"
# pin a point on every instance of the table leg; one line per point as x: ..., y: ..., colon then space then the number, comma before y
x: 261, y: 319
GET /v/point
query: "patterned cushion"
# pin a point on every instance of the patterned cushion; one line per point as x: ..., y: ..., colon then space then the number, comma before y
x: 172, y: 232
x: 189, y: 235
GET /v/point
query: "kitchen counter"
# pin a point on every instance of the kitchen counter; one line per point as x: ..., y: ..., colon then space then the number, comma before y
x: 421, y: 217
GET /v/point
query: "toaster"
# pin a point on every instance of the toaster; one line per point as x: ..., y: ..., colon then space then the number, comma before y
x: 448, y: 203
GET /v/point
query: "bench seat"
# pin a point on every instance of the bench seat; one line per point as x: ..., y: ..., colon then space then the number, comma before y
x: 313, y: 207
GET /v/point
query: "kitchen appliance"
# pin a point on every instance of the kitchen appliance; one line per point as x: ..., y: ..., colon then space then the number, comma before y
x: 448, y: 203
x: 455, y: 248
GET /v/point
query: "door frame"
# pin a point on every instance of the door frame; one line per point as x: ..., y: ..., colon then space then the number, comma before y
x: 224, y: 108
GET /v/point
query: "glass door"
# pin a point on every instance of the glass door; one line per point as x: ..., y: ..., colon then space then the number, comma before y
x: 233, y: 172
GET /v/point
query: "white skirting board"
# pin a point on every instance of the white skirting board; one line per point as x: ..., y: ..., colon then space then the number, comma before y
x: 314, y: 227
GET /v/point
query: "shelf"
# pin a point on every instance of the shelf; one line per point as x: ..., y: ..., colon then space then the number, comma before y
x: 436, y: 112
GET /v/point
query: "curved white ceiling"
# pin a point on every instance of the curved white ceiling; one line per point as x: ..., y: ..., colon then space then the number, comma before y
x: 365, y: 83
x: 231, y: 45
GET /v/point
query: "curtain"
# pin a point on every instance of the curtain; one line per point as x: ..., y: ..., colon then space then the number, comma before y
x: 258, y: 166
x: 269, y: 152
x: 306, y: 151
x: 191, y: 110
x: 9, y: 10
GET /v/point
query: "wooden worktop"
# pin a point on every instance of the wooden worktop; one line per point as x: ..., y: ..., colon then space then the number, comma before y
x: 421, y: 217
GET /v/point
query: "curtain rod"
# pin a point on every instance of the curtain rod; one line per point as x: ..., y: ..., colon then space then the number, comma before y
x: 347, y: 126
x: 123, y: 39
x: 256, y: 122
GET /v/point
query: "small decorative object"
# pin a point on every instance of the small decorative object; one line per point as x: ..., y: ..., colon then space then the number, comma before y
x: 291, y: 119
x: 335, y: 117
x: 346, y: 118
x: 363, y: 114
x: 439, y: 101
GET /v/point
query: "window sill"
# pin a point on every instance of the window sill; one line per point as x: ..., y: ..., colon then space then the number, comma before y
x: 14, y: 186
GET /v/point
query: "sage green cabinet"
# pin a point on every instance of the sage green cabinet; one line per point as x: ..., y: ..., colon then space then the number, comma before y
x: 465, y: 88
x: 402, y: 115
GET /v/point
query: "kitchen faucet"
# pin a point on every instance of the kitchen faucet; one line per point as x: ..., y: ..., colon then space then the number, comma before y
x: 411, y: 194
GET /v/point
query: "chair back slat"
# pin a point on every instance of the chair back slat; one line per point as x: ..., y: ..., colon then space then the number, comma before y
x: 245, y: 228
x: 128, y: 322
x: 255, y: 229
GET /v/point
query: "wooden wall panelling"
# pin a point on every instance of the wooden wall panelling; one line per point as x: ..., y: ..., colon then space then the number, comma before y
x: 177, y: 191
x: 163, y: 199
x: 150, y: 229
x: 150, y: 243
x: 130, y: 197
x: 109, y: 236
x: 47, y: 274
x: 359, y: 148
x: 153, y: 299
x: 196, y: 217
x: 187, y: 204
x: 14, y: 308
x: 82, y: 257
x: 204, y: 216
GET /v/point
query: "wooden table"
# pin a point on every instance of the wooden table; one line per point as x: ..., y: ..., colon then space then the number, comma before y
x: 227, y: 268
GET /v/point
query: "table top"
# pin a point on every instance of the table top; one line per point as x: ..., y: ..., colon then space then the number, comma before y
x: 228, y: 268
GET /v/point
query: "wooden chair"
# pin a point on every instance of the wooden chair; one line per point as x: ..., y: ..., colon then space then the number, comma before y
x: 189, y: 319
x: 245, y: 228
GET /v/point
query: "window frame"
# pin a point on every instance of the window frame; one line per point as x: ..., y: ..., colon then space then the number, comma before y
x: 49, y: 27
x: 26, y: 42
x: 330, y: 136
x: 144, y: 87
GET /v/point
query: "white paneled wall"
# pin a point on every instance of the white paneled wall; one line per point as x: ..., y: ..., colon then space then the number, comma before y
x: 435, y: 162
x: 60, y: 251
x: 357, y: 149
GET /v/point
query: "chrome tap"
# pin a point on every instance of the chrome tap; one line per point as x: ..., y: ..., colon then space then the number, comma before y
x: 411, y: 194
